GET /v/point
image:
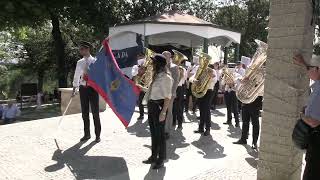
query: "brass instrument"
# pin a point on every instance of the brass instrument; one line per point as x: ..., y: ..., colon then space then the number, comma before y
x: 144, y: 80
x: 227, y: 76
x: 177, y: 59
x: 253, y: 83
x: 203, y: 76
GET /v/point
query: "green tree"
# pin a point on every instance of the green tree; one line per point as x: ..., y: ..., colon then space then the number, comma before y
x: 248, y: 17
x: 99, y: 14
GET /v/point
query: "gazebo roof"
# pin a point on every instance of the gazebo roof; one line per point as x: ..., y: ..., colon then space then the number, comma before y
x: 175, y: 27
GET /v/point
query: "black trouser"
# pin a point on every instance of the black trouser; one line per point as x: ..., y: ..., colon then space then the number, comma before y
x: 232, y: 106
x: 204, y: 106
x: 215, y: 95
x: 239, y: 106
x: 177, y: 109
x: 312, y: 170
x: 89, y: 96
x: 158, y: 141
x: 141, y: 106
x: 251, y: 112
x: 194, y: 99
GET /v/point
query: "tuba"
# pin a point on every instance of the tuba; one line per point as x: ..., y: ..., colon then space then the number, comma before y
x: 203, y: 75
x: 227, y: 76
x: 250, y: 89
x: 177, y: 59
x: 144, y: 80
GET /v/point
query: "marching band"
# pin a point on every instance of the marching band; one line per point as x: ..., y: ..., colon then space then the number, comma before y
x: 200, y: 81
x: 168, y: 82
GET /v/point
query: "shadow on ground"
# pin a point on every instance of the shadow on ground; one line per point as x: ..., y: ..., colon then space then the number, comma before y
x: 155, y: 174
x: 235, y: 132
x: 177, y: 140
x: 253, y: 160
x: 89, y: 167
x: 217, y: 113
x: 140, y: 128
x: 210, y: 149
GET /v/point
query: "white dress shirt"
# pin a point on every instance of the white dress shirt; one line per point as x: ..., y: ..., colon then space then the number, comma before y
x: 11, y: 112
x: 161, y: 88
x: 184, y: 78
x: 135, y: 68
x: 213, y: 81
x: 81, y: 69
x: 236, y: 81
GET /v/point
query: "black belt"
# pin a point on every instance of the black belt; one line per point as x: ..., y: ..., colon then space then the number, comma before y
x: 159, y: 101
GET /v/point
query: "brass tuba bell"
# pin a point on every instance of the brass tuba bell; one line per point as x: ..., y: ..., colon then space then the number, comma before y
x: 250, y: 89
x: 177, y: 59
x: 144, y: 80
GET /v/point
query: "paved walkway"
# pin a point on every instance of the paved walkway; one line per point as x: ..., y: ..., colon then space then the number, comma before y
x: 28, y: 151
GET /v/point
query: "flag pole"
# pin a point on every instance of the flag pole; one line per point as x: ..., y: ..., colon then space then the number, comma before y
x: 59, y: 123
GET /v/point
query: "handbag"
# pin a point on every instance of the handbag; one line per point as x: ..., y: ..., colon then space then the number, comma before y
x: 301, y: 134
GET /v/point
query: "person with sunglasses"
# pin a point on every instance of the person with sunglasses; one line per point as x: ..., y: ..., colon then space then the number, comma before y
x: 311, y: 116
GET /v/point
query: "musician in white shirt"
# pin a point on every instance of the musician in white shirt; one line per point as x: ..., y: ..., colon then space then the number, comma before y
x: 177, y: 110
x: 87, y: 94
x: 191, y: 71
x: 204, y: 104
x: 216, y: 86
x: 174, y: 70
x: 138, y: 70
x: 158, y: 97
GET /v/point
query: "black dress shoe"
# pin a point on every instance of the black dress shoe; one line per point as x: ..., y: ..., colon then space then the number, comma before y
x: 97, y: 140
x: 179, y: 127
x: 85, y: 138
x: 254, y: 146
x: 150, y: 160
x: 198, y: 131
x: 229, y: 123
x: 206, y: 133
x: 241, y: 141
x: 158, y: 165
x: 237, y: 125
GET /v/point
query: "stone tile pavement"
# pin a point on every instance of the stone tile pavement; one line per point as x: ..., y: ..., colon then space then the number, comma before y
x: 28, y: 151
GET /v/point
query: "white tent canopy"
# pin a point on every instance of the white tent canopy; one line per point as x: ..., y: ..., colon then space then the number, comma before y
x: 177, y: 28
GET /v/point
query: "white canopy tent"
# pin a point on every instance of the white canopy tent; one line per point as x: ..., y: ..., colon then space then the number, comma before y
x: 173, y: 28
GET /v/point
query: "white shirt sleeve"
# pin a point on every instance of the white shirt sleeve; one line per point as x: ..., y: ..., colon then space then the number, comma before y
x: 135, y: 69
x: 77, y: 75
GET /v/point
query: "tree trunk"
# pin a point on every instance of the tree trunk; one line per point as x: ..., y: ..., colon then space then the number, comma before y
x: 286, y: 89
x: 40, y: 81
x: 59, y: 49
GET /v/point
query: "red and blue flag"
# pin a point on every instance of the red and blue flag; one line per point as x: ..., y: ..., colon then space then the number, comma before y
x: 117, y: 90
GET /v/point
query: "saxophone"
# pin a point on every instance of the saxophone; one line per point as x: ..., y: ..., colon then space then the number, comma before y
x: 203, y: 75
x: 144, y: 80
x: 253, y: 85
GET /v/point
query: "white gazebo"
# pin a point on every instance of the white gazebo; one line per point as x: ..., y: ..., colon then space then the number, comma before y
x: 170, y: 28
x: 175, y: 28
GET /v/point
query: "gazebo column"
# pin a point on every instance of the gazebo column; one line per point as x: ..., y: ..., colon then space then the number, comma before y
x: 236, y: 53
x: 146, y: 41
x: 290, y: 31
x: 225, y: 57
x: 205, y: 45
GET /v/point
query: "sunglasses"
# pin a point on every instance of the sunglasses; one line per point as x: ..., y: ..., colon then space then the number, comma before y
x: 310, y: 67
